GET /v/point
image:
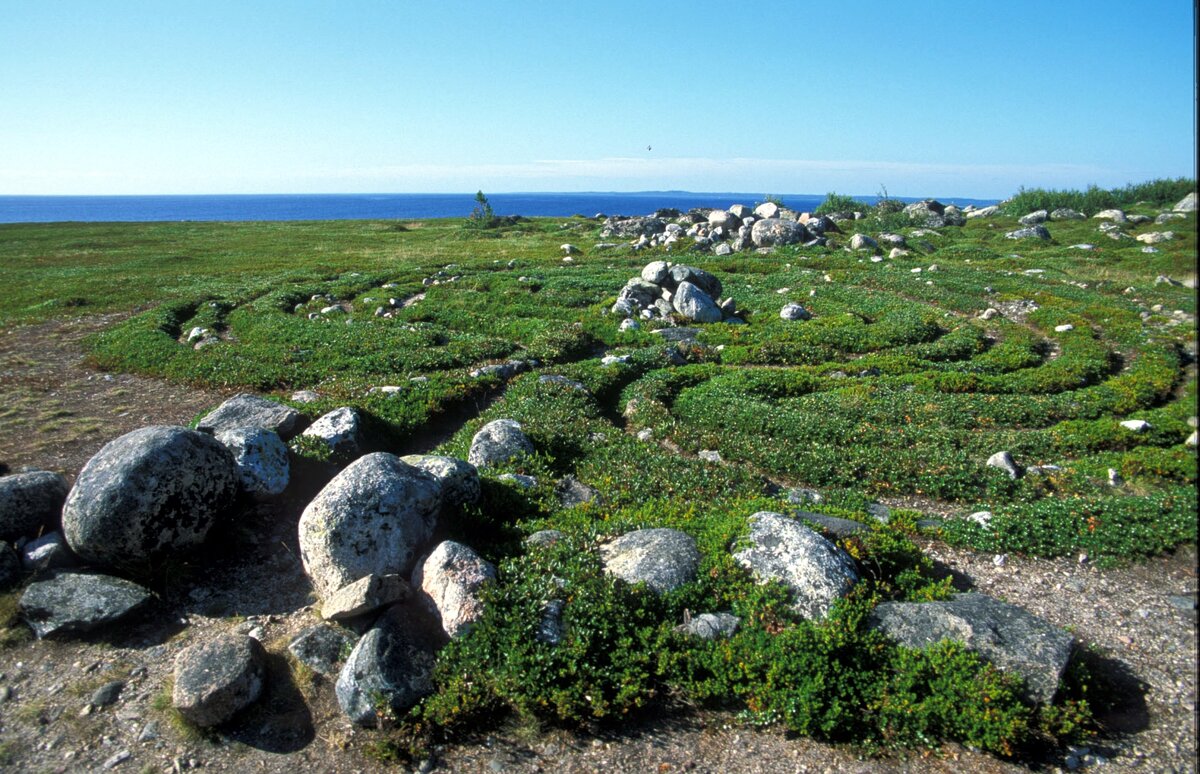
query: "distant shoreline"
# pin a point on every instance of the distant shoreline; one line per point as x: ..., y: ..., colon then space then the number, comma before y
x: 376, y: 206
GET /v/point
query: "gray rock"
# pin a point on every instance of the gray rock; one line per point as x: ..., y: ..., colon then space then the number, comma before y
x: 550, y: 628
x: 767, y: 210
x: 563, y: 381
x: 521, y: 481
x: 107, y: 694
x: 862, y: 242
x: 839, y: 528
x: 544, y: 537
x: 363, y: 596
x: 879, y: 512
x: 817, y: 572
x: 498, y: 441
x: 372, y: 518
x: 1186, y: 204
x: 637, y: 294
x: 723, y: 219
x: 149, y: 494
x: 49, y: 552
x: 216, y: 679
x: 449, y: 583
x: 246, y: 410
x: 1034, y: 218
x: 723, y: 250
x: 774, y: 232
x: 1004, y: 461
x: 661, y: 558
x: 320, y: 648
x: 572, y: 492
x: 30, y: 502
x: 694, y: 304
x: 794, y: 311
x: 631, y: 227
x: 1066, y: 213
x: 1135, y: 425
x: 698, y: 277
x: 656, y: 272
x: 928, y: 213
x: 261, y: 457
x: 1031, y: 232
x: 686, y: 334
x: 801, y: 496
x: 953, y: 216
x: 392, y: 664
x: 306, y: 396
x: 341, y: 430
x: 1116, y: 216
x: 70, y: 603
x: 984, y: 212
x: 504, y: 371
x: 710, y: 626
x: 459, y: 479
x: 1007, y: 636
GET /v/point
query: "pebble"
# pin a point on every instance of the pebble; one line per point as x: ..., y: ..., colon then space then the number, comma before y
x: 117, y: 760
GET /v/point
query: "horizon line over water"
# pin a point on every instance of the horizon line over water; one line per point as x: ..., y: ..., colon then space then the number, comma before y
x: 135, y: 208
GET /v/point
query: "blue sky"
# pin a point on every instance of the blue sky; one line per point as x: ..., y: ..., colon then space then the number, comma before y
x: 926, y: 98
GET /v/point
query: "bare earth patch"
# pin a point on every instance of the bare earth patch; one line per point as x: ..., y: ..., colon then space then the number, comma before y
x: 55, y: 412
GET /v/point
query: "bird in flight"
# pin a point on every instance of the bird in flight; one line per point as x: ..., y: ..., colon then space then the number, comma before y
x: 648, y: 147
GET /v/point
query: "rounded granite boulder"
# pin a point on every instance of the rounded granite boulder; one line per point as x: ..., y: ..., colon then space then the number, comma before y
x: 30, y: 502
x: 149, y: 494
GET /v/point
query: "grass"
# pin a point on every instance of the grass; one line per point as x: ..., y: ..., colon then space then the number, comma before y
x: 895, y: 388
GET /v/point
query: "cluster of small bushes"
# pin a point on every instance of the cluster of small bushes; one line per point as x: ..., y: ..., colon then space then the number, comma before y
x: 1155, y: 193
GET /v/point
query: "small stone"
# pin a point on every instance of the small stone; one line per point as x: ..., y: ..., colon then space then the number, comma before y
x: 107, y: 694
x: 1005, y: 462
x: 363, y: 596
x: 1136, y: 425
x: 117, y: 759
x: 709, y: 455
x: 1064, y: 328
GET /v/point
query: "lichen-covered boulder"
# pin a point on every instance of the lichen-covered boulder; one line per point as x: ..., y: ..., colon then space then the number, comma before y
x: 449, y: 582
x: 498, y: 441
x: 773, y: 232
x: 459, y: 479
x: 694, y: 304
x: 246, y: 410
x: 372, y: 518
x: 663, y: 559
x: 261, y: 457
x: 341, y: 431
x: 30, y: 502
x: 392, y: 664
x: 72, y: 603
x: 149, y: 494
x: 216, y: 679
x: 817, y: 572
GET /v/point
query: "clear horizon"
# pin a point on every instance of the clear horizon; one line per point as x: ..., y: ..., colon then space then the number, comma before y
x: 133, y: 97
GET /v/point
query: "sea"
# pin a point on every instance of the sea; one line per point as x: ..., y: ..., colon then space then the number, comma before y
x: 272, y: 207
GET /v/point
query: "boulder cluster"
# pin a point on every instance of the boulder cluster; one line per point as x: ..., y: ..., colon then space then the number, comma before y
x: 722, y: 231
x: 664, y: 289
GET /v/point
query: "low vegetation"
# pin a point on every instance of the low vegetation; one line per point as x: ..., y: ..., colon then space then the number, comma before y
x: 896, y: 388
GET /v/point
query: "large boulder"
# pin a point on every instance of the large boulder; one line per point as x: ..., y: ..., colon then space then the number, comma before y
x: 694, y: 304
x: 928, y: 213
x: 450, y: 580
x: 372, y: 518
x: 341, y: 431
x: 392, y: 664
x: 1030, y: 232
x: 723, y: 219
x: 261, y: 457
x: 817, y: 572
x: 148, y: 494
x: 680, y: 273
x: 247, y: 410
x: 1186, y: 204
x: 498, y: 441
x: 459, y: 479
x: 216, y: 679
x: 632, y: 227
x: 771, y: 232
x: 663, y: 559
x: 1009, y: 637
x: 30, y: 502
x: 72, y: 603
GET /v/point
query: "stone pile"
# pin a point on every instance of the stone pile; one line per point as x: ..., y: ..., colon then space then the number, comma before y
x: 722, y: 231
x: 665, y: 289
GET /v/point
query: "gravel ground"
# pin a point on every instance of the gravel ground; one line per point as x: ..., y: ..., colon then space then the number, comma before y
x: 1139, y: 622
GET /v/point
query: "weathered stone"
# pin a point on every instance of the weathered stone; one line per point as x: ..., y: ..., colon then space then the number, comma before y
x: 449, y: 583
x: 710, y: 626
x: 320, y: 648
x: 261, y: 457
x: 656, y: 272
x: 723, y: 219
x: 1004, y: 461
x: 572, y: 492
x: 69, y: 603
x: 694, y: 304
x: 928, y: 213
x: 984, y: 212
x: 30, y: 502
x: 518, y: 480
x: 149, y: 494
x: 862, y: 242
x: 632, y: 227
x: 839, y: 528
x: 707, y: 282
x: 497, y: 442
x: 661, y: 558
x: 773, y: 232
x: 794, y: 311
x: 544, y: 537
x: 363, y: 596
x: 107, y: 694
x: 216, y: 679
x: 1155, y: 237
x: 372, y: 518
x: 1066, y: 213
x: 563, y: 381
x: 1034, y: 218
x: 638, y: 294
x: 341, y: 430
x: 459, y: 479
x: 392, y: 664
x: 1186, y: 204
x: 49, y: 552
x: 767, y: 210
x: 1135, y: 425
x: 1007, y: 636
x: 1031, y: 232
x: 1116, y: 216
x: 246, y: 410
x: 817, y: 572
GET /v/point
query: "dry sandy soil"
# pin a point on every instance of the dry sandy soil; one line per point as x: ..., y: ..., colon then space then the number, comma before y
x: 56, y: 411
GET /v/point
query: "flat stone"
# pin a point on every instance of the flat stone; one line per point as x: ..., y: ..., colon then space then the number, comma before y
x: 246, y: 410
x: 321, y: 648
x: 214, y: 680
x: 363, y: 596
x: 69, y: 603
x: 663, y: 559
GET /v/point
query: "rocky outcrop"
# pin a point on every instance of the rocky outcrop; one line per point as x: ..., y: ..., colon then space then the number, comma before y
x: 817, y: 572
x: 214, y: 680
x: 149, y: 494
x: 372, y: 518
x: 73, y: 603
x: 663, y: 559
x: 1009, y: 637
x: 246, y: 410
x: 30, y: 502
